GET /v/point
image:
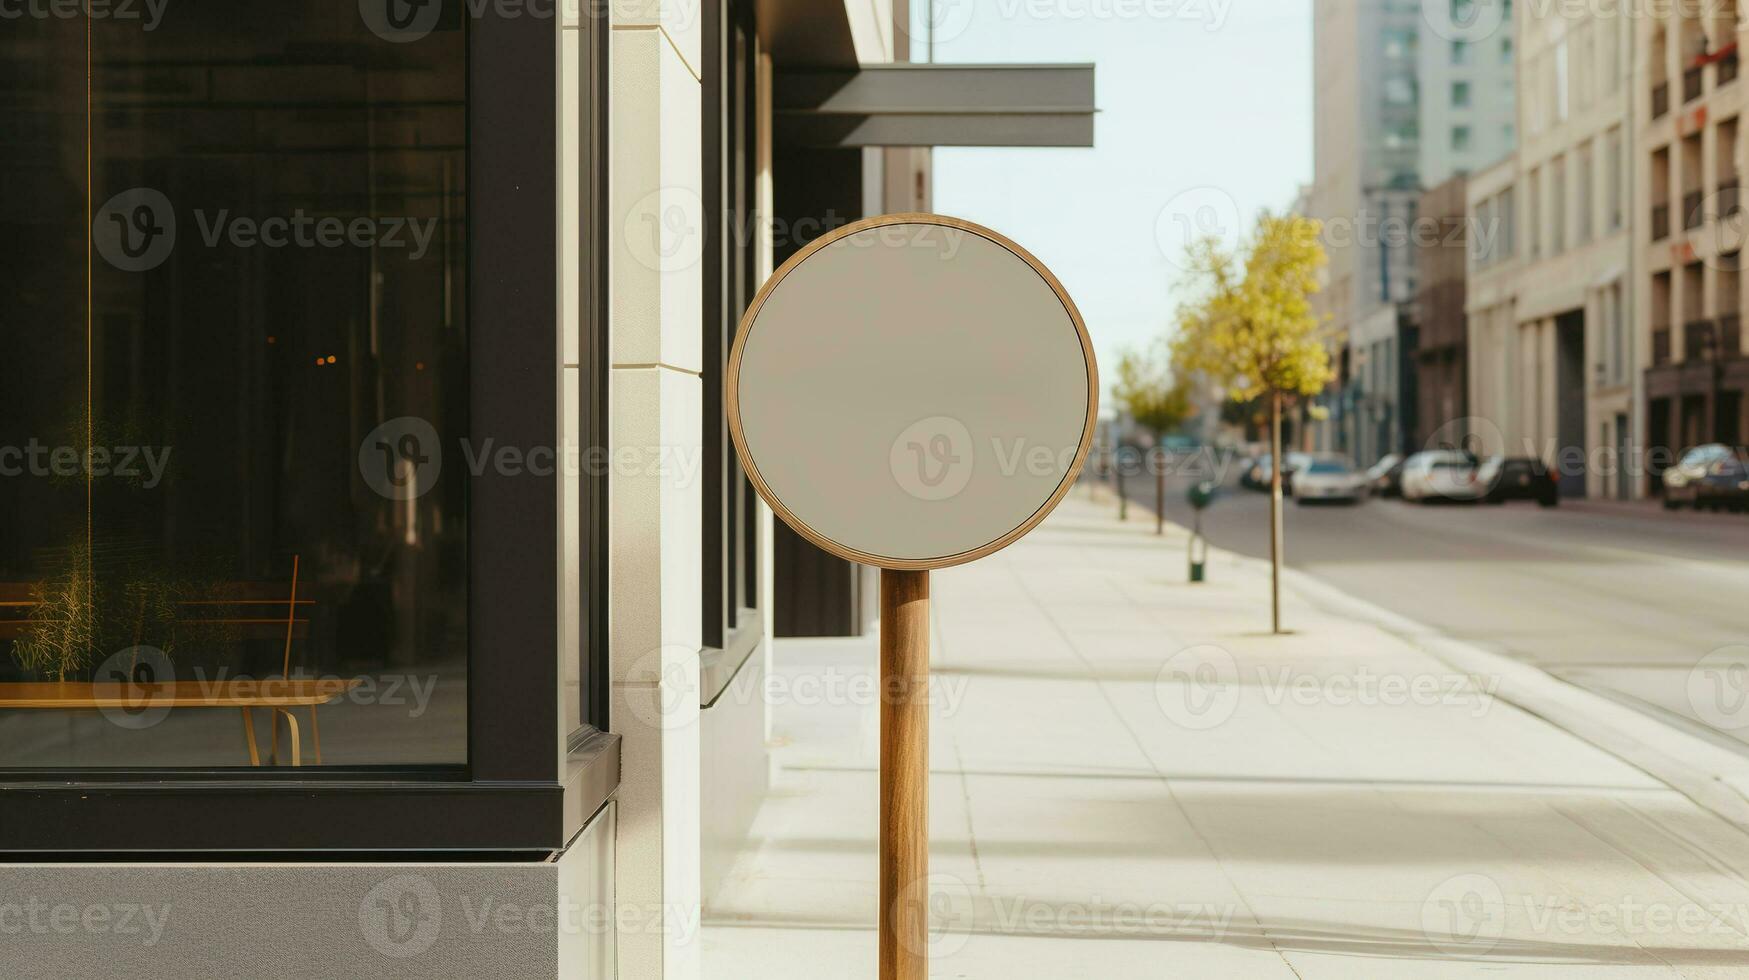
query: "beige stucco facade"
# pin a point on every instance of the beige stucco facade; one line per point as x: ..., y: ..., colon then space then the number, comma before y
x: 1690, y: 152
x: 1550, y: 313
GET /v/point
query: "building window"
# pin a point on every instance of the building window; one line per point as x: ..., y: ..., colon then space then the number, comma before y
x: 1460, y: 138
x: 1534, y: 212
x: 1508, y: 223
x: 1557, y: 196
x: 1613, y: 188
x: 1400, y: 43
x: 1460, y: 53
x: 731, y: 539
x: 1484, y: 243
x: 1399, y: 91
x: 1562, y: 83
x: 1537, y: 109
x: 343, y: 356
x: 1460, y: 95
x: 1612, y: 55
x: 1587, y: 191
x: 269, y: 375
x: 1404, y: 135
x: 1617, y: 335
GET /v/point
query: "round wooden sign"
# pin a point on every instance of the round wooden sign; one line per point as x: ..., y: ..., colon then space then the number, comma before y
x: 912, y: 391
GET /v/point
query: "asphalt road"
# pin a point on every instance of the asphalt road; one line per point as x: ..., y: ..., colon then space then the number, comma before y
x: 1624, y: 599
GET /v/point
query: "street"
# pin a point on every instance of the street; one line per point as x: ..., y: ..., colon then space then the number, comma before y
x: 1622, y: 600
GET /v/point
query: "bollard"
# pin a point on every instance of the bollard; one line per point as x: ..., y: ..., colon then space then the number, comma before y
x: 1123, y: 500
x: 1200, y: 496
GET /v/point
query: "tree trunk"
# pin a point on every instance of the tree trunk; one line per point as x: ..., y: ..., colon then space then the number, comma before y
x: 1277, y: 465
x: 1158, y: 457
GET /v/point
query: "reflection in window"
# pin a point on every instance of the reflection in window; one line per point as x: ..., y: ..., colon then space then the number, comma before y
x: 233, y: 306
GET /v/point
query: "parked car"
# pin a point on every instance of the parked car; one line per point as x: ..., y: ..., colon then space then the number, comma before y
x: 1385, y: 477
x: 1443, y: 474
x: 1257, y: 475
x: 1713, y: 476
x: 1522, y: 478
x: 1250, y: 469
x: 1329, y: 477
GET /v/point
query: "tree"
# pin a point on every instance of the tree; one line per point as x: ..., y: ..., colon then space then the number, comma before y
x: 1250, y: 328
x: 1147, y: 388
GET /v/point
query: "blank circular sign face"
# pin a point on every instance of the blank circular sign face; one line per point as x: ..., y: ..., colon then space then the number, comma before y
x: 912, y: 391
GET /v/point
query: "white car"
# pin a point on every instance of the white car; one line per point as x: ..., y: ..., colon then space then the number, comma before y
x: 1445, y: 474
x: 1320, y: 478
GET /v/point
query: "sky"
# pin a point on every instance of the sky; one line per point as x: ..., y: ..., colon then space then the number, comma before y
x: 1205, y: 118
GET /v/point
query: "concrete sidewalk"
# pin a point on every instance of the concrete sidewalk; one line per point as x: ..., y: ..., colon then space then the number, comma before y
x: 1131, y: 778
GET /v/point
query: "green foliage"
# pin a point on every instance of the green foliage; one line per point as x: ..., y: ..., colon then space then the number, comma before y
x: 1147, y: 389
x: 1251, y: 328
x: 62, y: 627
x: 80, y: 611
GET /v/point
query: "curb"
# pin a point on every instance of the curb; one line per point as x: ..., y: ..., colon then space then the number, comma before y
x: 1714, y: 777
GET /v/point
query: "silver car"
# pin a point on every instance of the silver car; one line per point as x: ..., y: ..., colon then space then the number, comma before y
x: 1444, y: 474
x: 1329, y: 478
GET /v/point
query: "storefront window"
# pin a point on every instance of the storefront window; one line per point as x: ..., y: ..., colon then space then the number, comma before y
x: 234, y: 394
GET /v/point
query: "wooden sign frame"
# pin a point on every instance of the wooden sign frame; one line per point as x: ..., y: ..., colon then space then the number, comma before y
x: 732, y: 390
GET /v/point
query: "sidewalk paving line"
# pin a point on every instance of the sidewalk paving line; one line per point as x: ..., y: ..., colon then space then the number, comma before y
x: 1325, y: 870
x: 1714, y: 777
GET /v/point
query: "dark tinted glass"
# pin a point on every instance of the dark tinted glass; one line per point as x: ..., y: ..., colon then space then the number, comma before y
x: 233, y: 308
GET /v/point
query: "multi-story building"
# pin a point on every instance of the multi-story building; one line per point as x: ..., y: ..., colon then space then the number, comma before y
x: 1467, y: 81
x: 1555, y: 379
x: 1402, y: 101
x: 1438, y: 354
x: 1490, y: 310
x: 1369, y: 416
x: 1575, y: 396
x: 1690, y: 150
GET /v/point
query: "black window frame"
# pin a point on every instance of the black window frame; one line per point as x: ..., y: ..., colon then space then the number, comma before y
x: 592, y: 350
x: 731, y: 538
x: 508, y: 799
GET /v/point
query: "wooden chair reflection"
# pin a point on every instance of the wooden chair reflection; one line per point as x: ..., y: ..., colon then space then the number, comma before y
x: 278, y: 695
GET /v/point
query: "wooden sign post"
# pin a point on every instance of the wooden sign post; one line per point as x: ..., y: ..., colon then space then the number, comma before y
x: 911, y: 392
